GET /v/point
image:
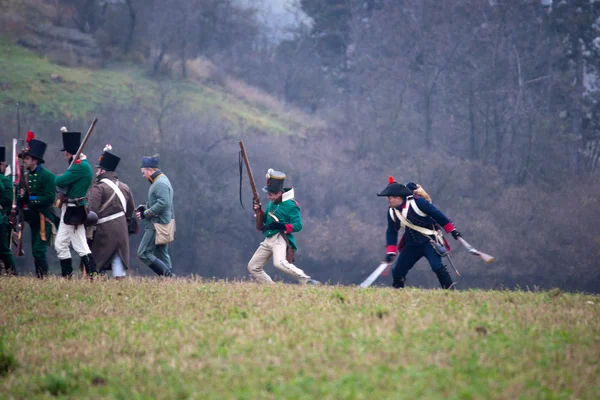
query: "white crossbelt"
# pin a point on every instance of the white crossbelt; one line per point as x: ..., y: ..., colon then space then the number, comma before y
x: 110, y: 218
x: 121, y: 198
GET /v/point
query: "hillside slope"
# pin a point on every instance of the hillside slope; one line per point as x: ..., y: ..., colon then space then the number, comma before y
x: 193, y: 339
x: 66, y: 92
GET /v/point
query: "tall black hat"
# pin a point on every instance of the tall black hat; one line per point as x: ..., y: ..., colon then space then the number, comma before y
x: 275, y: 181
x: 2, y: 153
x: 35, y: 148
x: 107, y: 160
x: 71, y: 140
x: 395, y: 189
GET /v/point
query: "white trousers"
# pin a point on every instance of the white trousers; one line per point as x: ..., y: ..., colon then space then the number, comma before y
x: 275, y: 247
x: 70, y: 235
x: 118, y: 269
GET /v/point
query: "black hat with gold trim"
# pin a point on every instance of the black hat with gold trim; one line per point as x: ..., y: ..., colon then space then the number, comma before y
x: 395, y: 189
x: 108, y: 161
x: 275, y: 181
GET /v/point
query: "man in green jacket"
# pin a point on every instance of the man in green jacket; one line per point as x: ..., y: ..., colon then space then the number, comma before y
x: 76, y: 181
x: 37, y: 200
x: 158, y: 209
x: 6, y: 199
x: 280, y: 219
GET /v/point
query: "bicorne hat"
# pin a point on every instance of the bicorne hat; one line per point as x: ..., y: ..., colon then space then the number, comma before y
x: 395, y: 189
x: 35, y: 148
x: 275, y: 181
x: 71, y: 141
x: 107, y: 160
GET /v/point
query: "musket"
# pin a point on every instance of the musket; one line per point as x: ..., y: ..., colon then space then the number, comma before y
x: 20, y: 213
x: 255, y: 198
x: 62, y: 192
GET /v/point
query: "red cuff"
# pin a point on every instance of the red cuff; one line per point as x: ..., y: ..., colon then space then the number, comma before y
x: 391, y: 249
x: 449, y: 227
x: 288, y: 228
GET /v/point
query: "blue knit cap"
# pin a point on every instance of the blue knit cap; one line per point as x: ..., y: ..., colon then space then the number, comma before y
x: 150, y: 161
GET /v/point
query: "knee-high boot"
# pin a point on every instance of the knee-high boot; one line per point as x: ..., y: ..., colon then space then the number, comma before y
x: 160, y: 268
x: 90, y: 264
x: 444, y: 278
x: 66, y: 267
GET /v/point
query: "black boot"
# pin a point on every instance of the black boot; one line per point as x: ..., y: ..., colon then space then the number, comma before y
x: 160, y: 268
x: 10, y: 269
x: 41, y: 268
x: 444, y: 278
x: 90, y: 265
x: 399, y: 282
x: 66, y: 267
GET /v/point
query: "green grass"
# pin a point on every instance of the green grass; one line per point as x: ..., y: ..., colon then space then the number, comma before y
x: 26, y: 77
x: 193, y: 339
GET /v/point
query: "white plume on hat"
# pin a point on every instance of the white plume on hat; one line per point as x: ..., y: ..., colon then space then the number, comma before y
x: 270, y: 172
x: 63, y: 129
x: 108, y: 147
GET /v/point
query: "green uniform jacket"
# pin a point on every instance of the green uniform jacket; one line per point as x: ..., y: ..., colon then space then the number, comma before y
x: 288, y: 213
x: 6, y: 197
x: 159, y: 207
x: 77, y: 179
x: 42, y: 192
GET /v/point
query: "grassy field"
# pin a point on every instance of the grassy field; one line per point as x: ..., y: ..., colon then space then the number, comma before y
x: 192, y: 339
x: 26, y: 77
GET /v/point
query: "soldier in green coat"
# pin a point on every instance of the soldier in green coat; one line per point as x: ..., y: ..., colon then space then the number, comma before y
x: 280, y: 219
x: 6, y: 199
x: 76, y: 182
x: 37, y: 200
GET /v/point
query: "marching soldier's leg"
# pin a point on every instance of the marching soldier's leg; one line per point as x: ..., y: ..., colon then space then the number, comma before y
x: 39, y: 248
x: 406, y: 260
x: 80, y: 245
x: 258, y: 261
x: 162, y: 253
x: 61, y: 245
x: 146, y: 251
x: 435, y: 261
x: 281, y: 263
x: 5, y: 253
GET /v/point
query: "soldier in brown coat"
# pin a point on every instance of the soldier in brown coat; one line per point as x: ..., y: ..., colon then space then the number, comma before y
x: 113, y: 202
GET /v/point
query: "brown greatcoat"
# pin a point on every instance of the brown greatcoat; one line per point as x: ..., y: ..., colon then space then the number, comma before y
x: 111, y: 236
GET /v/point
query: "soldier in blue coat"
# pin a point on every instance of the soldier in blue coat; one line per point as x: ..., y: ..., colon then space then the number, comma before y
x: 421, y: 237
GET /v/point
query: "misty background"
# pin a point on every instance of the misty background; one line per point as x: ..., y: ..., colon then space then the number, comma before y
x: 492, y: 106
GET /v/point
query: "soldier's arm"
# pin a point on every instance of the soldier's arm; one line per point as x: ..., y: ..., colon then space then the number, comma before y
x: 69, y: 177
x: 6, y: 197
x: 130, y: 203
x: 295, y: 224
x: 434, y: 213
x: 95, y: 197
x: 46, y: 197
x: 391, y: 235
x: 162, y: 202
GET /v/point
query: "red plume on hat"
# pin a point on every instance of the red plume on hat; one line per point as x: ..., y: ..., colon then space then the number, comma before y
x: 391, y: 180
x: 30, y: 136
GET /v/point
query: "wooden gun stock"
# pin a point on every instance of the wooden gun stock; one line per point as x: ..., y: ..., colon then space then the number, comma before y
x: 62, y: 192
x: 255, y: 198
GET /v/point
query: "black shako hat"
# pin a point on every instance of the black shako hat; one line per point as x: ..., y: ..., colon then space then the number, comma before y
x: 275, y: 181
x: 395, y: 189
x: 71, y: 141
x: 108, y: 161
x: 35, y: 148
x: 2, y: 153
